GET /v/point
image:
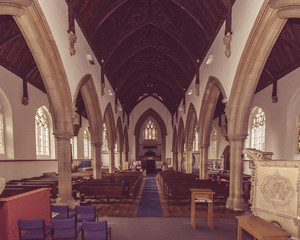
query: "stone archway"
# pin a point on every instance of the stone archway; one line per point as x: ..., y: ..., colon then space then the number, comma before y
x: 211, y: 94
x: 151, y: 113
x: 120, y: 143
x: 90, y: 98
x: 174, y: 149
x: 180, y: 143
x: 191, y: 123
x: 36, y: 32
x: 267, y: 27
x: 109, y: 120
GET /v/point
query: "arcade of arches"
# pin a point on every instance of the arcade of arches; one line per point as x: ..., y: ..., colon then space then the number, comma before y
x: 221, y: 112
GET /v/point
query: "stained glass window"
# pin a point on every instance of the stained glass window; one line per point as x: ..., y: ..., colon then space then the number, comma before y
x: 258, y: 130
x: 150, y: 131
x: 104, y: 138
x: 41, y: 133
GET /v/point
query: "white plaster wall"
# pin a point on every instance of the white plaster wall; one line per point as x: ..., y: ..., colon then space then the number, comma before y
x: 282, y: 117
x: 134, y: 116
x: 244, y: 13
x: 23, y: 131
x: 76, y: 66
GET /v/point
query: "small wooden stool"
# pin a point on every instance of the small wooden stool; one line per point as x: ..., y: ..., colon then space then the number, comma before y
x: 203, y: 196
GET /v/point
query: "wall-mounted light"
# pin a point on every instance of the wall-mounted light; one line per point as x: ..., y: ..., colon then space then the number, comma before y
x: 209, y: 59
x: 90, y: 59
x: 224, y: 100
x: 110, y: 92
x: 190, y: 92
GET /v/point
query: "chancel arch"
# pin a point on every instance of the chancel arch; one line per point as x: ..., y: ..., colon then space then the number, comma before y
x: 120, y: 143
x: 46, y: 55
x: 212, y: 93
x: 180, y: 144
x: 175, y: 149
x: 86, y: 98
x: 267, y: 27
x: 191, y: 124
x: 109, y: 121
x: 156, y: 142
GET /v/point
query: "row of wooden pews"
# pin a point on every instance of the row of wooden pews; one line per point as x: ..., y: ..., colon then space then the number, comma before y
x: 113, y: 186
x: 176, y: 186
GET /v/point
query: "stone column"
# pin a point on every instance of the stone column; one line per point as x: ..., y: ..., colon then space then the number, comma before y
x: 180, y: 156
x: 63, y: 153
x: 112, y: 160
x: 189, y: 160
x: 163, y: 149
x: 236, y: 201
x: 175, y: 161
x: 97, y: 171
x: 203, y: 161
x: 120, y: 160
x: 124, y: 167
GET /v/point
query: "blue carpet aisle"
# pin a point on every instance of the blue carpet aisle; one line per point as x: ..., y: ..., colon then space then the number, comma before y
x: 149, y: 205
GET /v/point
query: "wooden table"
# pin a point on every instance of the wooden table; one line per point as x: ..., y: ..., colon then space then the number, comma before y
x: 203, y: 196
x: 260, y: 229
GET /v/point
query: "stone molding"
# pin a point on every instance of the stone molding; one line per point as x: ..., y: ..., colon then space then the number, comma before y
x: 255, y: 154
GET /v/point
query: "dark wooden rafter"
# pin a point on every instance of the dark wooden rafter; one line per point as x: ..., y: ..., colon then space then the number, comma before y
x: 8, y: 40
x: 71, y: 18
x: 168, y: 56
x: 124, y: 37
x: 126, y: 78
x: 228, y: 6
x: 196, y: 20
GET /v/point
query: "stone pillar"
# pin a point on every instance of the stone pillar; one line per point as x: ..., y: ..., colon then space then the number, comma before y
x: 203, y: 161
x: 63, y: 154
x: 175, y: 161
x: 163, y: 150
x: 124, y: 167
x: 180, y: 156
x: 97, y: 171
x: 112, y: 160
x: 235, y: 200
x: 189, y: 160
x: 120, y: 160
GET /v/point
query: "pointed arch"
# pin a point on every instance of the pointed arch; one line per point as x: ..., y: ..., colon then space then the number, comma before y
x: 180, y: 143
x: 126, y: 146
x: 120, y: 142
x: 151, y: 113
x: 27, y: 13
x: 174, y: 149
x: 89, y: 94
x: 191, y: 124
x: 109, y: 120
x: 87, y: 89
x: 210, y: 98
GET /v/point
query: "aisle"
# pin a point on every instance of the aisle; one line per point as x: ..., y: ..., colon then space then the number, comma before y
x: 150, y: 204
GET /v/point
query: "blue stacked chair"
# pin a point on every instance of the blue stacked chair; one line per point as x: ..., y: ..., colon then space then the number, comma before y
x: 95, y: 230
x: 33, y: 229
x: 64, y: 228
x: 87, y: 213
x: 61, y: 212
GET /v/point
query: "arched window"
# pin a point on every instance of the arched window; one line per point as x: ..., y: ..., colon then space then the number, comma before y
x: 41, y: 133
x: 213, y: 144
x: 2, y: 140
x: 104, y: 138
x: 73, y: 142
x: 86, y: 144
x: 150, y: 131
x: 258, y: 130
x: 196, y: 140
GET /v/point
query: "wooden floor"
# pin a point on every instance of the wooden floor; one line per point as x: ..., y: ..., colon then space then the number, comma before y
x: 129, y: 209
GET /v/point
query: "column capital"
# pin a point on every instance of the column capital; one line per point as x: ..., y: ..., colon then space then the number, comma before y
x: 204, y: 145
x: 237, y: 137
x: 96, y: 144
x: 63, y: 135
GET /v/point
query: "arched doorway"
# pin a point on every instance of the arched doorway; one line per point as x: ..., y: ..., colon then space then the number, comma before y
x: 149, y: 162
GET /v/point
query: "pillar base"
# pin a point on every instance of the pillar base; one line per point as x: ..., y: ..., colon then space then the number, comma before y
x: 64, y: 201
x: 236, y: 204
